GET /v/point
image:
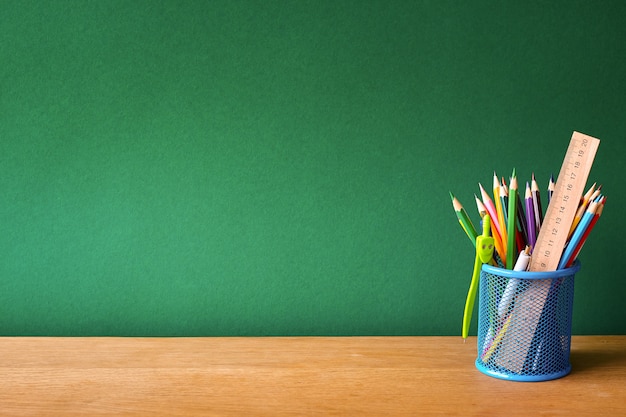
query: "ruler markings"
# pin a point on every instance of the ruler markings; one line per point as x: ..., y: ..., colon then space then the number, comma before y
x: 549, y: 247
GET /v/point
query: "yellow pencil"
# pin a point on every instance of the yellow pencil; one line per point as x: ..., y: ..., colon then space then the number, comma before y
x: 497, y: 340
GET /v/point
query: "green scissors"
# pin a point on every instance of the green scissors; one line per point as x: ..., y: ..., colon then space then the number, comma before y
x: 484, y: 254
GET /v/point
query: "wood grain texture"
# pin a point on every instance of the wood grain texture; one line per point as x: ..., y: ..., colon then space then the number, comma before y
x: 294, y: 376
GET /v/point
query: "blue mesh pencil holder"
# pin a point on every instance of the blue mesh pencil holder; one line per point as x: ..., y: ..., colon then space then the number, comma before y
x: 525, y: 323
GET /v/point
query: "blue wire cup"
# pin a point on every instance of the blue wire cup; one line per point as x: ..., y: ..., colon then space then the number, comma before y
x: 525, y: 323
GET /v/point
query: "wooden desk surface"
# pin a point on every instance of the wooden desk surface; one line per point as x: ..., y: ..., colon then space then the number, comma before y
x: 296, y: 376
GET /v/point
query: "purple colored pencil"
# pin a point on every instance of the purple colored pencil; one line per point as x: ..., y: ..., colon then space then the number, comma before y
x: 530, y: 218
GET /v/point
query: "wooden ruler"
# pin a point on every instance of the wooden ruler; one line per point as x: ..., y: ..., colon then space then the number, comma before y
x: 569, y: 188
x: 548, y: 249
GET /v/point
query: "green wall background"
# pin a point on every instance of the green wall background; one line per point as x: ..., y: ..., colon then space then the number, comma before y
x: 283, y: 167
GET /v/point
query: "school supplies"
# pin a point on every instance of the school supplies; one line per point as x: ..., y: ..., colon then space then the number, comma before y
x: 495, y: 229
x: 511, y: 287
x: 579, y: 232
x: 521, y: 222
x: 482, y: 210
x: 464, y: 219
x: 534, y: 189
x: 484, y: 252
x: 547, y: 354
x: 586, y: 234
x: 511, y: 223
x: 568, y: 191
x: 498, y: 199
x: 584, y: 202
x: 550, y: 188
x: 550, y: 242
x: 549, y: 248
x: 530, y: 217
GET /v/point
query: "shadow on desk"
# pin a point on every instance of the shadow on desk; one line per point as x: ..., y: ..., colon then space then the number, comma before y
x: 584, y: 357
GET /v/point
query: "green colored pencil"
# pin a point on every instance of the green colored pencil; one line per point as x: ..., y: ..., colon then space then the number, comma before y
x: 464, y: 219
x: 510, y: 247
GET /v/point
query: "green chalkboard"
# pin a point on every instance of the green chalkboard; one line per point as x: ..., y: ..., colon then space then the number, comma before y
x: 283, y: 167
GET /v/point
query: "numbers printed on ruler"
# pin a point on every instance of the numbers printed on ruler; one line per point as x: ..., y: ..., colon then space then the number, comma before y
x: 564, y: 203
x: 548, y: 249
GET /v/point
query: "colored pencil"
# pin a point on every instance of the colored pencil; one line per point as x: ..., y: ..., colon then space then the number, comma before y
x: 580, y: 244
x: 584, y: 202
x: 464, y: 219
x: 491, y: 209
x: 497, y: 199
x: 521, y: 220
x: 550, y: 188
x: 534, y: 188
x: 578, y: 234
x: 530, y: 217
x: 496, y: 230
x: 511, y: 228
x: 480, y: 207
x: 504, y: 199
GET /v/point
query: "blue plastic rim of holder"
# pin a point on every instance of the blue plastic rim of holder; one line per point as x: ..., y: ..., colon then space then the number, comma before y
x: 525, y: 323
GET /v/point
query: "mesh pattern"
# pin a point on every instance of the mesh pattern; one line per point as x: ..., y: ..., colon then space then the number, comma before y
x: 524, y: 326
